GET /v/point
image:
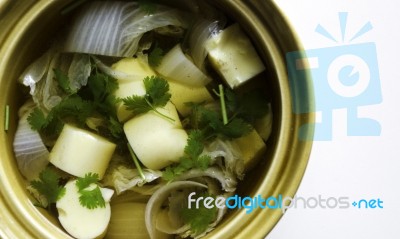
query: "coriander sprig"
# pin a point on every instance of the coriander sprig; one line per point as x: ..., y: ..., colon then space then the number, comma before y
x: 200, y: 217
x: 63, y: 81
x: 155, y: 56
x: 95, y: 99
x: 90, y: 198
x: 237, y: 113
x: 48, y: 185
x: 192, y: 158
x: 7, y: 118
x: 157, y: 95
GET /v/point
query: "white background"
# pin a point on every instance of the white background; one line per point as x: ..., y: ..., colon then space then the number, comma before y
x: 355, y: 167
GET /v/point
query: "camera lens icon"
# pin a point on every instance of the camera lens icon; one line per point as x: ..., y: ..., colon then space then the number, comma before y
x: 348, y: 75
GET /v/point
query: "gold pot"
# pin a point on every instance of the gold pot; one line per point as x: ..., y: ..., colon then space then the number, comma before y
x: 27, y: 27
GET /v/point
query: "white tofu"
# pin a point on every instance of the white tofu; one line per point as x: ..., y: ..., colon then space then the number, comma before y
x: 152, y: 122
x: 79, y: 221
x: 160, y: 149
x: 233, y: 56
x: 79, y: 152
x: 181, y: 94
x: 157, y: 141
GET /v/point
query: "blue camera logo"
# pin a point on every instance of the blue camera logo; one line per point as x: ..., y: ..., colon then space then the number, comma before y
x: 344, y: 77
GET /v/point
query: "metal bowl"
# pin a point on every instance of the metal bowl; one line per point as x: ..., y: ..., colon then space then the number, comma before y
x: 27, y: 30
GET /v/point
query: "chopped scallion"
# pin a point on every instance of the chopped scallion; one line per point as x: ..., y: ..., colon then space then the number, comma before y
x: 223, y: 104
x: 7, y: 118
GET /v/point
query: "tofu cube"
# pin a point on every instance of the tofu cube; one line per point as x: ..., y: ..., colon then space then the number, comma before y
x: 233, y: 56
x: 79, y: 152
x: 181, y: 94
x: 157, y: 141
x: 79, y: 221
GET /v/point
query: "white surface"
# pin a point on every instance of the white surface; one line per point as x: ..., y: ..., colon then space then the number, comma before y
x: 356, y: 167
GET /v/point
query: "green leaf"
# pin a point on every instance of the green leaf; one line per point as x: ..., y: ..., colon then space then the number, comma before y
x: 115, y: 127
x: 70, y: 108
x: 191, y: 159
x: 73, y: 107
x: 157, y: 95
x: 236, y: 128
x: 199, y: 218
x: 211, y: 119
x: 48, y: 185
x: 157, y: 89
x: 239, y: 111
x: 195, y: 144
x: 90, y: 198
x: 155, y: 56
x: 85, y: 182
x: 137, y: 104
x: 203, y: 162
x: 37, y: 119
x: 96, y: 99
x: 102, y: 86
x: 169, y: 174
x: 63, y: 81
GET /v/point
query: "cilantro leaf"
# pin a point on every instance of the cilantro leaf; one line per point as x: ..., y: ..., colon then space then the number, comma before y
x: 90, y: 198
x: 192, y: 157
x: 85, y: 182
x: 101, y: 86
x: 95, y: 99
x: 157, y: 90
x: 194, y: 145
x: 211, y: 124
x: 70, y: 108
x: 100, y: 91
x: 37, y: 119
x: 234, y: 120
x: 73, y: 107
x: 157, y: 95
x: 137, y: 104
x: 115, y: 127
x: 236, y: 128
x: 203, y: 162
x: 49, y: 186
x: 199, y: 218
x: 155, y: 56
x: 63, y: 81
